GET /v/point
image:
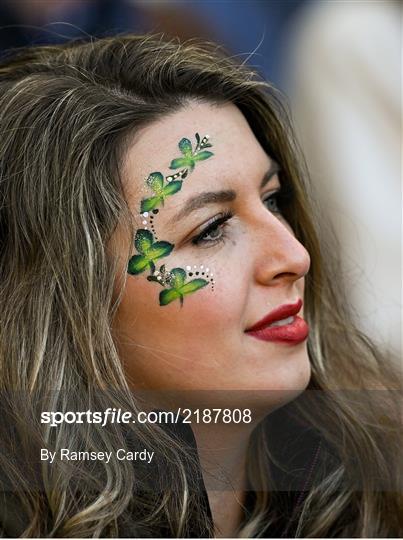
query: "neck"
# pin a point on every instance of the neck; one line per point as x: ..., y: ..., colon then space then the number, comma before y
x: 222, y: 450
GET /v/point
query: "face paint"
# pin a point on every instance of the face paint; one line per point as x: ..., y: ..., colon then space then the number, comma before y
x: 190, y: 157
x: 148, y: 252
x: 149, y: 248
x: 161, y: 191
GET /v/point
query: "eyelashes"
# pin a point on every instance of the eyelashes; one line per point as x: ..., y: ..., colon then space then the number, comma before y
x: 283, y: 197
x: 213, y: 226
x: 215, y: 231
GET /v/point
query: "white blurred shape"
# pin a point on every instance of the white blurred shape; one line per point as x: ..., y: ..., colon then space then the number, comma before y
x: 345, y: 82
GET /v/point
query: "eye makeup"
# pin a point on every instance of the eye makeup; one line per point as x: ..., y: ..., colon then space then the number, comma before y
x: 212, y: 226
x: 276, y: 202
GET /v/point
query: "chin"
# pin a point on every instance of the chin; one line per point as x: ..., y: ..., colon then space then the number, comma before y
x: 278, y: 384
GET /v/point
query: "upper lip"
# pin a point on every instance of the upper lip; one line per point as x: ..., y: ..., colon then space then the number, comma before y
x: 281, y: 312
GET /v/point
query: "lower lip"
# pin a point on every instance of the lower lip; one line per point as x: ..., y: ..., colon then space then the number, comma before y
x: 293, y: 333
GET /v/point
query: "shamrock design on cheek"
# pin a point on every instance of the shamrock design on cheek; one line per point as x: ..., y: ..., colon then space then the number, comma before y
x: 149, y: 250
x: 175, y: 279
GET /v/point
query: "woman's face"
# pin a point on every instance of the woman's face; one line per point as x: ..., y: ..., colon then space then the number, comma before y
x: 254, y: 262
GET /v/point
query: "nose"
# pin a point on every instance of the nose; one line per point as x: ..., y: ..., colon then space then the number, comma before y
x: 280, y: 257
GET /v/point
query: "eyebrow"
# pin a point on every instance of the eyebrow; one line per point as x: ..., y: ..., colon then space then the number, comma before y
x: 212, y: 197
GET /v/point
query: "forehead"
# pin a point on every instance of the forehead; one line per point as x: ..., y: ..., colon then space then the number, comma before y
x: 237, y: 153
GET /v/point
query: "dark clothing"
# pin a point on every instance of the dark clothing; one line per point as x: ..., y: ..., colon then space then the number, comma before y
x: 304, y: 452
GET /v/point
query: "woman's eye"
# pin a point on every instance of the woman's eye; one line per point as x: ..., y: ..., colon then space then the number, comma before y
x: 272, y: 204
x: 214, y: 232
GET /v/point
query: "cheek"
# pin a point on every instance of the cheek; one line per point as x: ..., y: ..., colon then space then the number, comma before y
x: 208, y: 310
x: 167, y: 345
x: 215, y: 310
x: 220, y: 311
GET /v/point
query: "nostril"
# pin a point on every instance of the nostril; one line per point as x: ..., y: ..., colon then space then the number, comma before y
x: 284, y: 275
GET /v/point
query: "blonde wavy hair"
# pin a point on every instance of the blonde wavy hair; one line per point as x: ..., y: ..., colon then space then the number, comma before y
x: 65, y: 115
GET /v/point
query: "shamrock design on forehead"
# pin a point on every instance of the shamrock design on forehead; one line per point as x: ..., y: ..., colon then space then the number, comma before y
x: 190, y: 156
x: 171, y: 184
x: 149, y: 249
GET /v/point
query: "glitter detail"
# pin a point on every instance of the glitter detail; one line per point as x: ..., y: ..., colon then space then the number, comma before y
x: 162, y: 276
x: 175, y: 176
x: 197, y: 271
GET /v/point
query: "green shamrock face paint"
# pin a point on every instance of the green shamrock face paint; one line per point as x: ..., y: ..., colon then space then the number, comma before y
x: 161, y: 191
x: 175, y: 279
x: 149, y: 250
x: 190, y: 157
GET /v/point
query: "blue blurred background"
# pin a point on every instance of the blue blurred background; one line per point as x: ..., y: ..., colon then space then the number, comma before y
x: 338, y: 64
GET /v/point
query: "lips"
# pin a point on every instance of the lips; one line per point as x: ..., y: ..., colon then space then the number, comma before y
x: 293, y: 331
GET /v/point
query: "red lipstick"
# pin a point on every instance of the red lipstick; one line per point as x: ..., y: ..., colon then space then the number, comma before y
x: 293, y: 332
